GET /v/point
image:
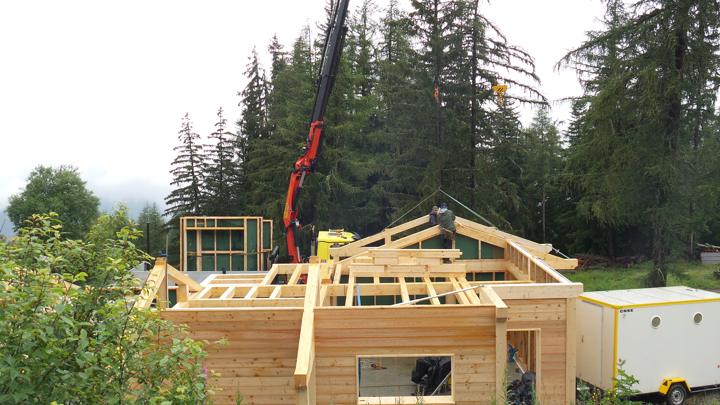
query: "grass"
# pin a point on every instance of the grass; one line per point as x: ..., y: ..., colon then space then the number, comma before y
x: 689, y: 274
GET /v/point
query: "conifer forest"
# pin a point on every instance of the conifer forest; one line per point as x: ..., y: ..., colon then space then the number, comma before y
x: 634, y: 173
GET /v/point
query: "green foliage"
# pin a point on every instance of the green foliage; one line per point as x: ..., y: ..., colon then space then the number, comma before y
x: 150, y: 214
x: 691, y: 274
x: 618, y: 396
x: 638, y: 152
x: 86, y: 344
x: 59, y: 190
x: 108, y: 225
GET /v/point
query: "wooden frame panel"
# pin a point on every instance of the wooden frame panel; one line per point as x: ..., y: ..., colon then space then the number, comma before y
x: 198, y: 225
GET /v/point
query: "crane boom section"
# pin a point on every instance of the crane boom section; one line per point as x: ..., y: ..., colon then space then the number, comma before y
x: 307, y: 162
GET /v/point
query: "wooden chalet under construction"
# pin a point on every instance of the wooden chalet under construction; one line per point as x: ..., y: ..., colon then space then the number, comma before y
x: 344, y: 331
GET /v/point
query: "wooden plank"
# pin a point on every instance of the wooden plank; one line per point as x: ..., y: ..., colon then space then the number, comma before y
x: 559, y: 278
x: 229, y: 293
x: 460, y: 295
x: 306, y: 343
x: 350, y: 291
x: 501, y: 309
x: 338, y: 274
x: 474, y: 298
x: 431, y: 291
x: 181, y: 278
x: 500, y: 359
x: 242, y: 303
x: 202, y: 294
x: 296, y: 274
x: 485, y: 265
x: 490, y: 231
x: 153, y: 284
x: 276, y: 292
x: 424, y: 253
x: 516, y: 272
x: 252, y: 293
x: 181, y: 293
x: 403, y: 290
x: 358, y: 246
x: 570, y: 350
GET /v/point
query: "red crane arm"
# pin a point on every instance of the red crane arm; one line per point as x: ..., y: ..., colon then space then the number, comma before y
x: 308, y: 161
x: 305, y: 164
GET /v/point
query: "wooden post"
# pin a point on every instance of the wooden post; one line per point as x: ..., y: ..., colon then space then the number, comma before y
x: 305, y: 365
x: 570, y: 351
x: 500, y: 359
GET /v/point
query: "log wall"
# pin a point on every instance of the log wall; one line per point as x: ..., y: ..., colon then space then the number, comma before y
x: 550, y: 316
x: 258, y: 360
x: 466, y: 333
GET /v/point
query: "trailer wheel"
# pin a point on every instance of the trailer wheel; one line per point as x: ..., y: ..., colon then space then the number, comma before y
x: 677, y: 394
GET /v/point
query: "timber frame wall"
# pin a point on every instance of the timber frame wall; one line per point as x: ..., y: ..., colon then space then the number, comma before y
x: 231, y: 243
x: 291, y: 343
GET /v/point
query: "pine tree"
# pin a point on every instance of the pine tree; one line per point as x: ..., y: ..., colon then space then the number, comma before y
x: 222, y: 174
x: 253, y: 121
x: 187, y: 171
x: 406, y: 114
x: 278, y: 55
x: 542, y: 188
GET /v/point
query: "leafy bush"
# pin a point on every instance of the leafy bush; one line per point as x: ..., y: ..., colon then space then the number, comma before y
x: 71, y: 338
x: 618, y: 396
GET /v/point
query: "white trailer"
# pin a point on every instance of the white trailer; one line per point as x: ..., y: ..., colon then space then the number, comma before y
x: 667, y: 338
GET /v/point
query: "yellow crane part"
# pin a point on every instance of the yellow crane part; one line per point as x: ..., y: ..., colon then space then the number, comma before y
x: 500, y: 90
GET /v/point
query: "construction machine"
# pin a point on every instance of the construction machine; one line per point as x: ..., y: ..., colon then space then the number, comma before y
x: 307, y: 162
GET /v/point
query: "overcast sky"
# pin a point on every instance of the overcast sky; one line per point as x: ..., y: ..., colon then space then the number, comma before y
x: 102, y: 85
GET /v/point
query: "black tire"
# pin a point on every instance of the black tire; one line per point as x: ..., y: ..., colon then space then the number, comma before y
x: 676, y: 395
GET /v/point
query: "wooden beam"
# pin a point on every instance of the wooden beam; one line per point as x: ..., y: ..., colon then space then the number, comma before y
x: 243, y: 303
x: 474, y: 298
x: 431, y: 291
x: 570, y: 350
x: 276, y: 292
x: 414, y: 238
x: 229, y: 293
x: 500, y: 359
x: 350, y: 293
x: 544, y: 266
x: 490, y: 231
x: 425, y: 253
x: 306, y: 344
x: 461, y: 294
x: 358, y: 246
x: 536, y: 290
x: 181, y: 278
x: 338, y: 274
x: 501, y: 309
x: 252, y: 293
x: 181, y: 293
x: 296, y: 274
x: 202, y: 294
x: 153, y: 284
x: 516, y: 272
x: 403, y: 289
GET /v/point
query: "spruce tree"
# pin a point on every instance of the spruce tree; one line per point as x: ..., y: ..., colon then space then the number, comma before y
x: 187, y: 171
x: 222, y: 173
